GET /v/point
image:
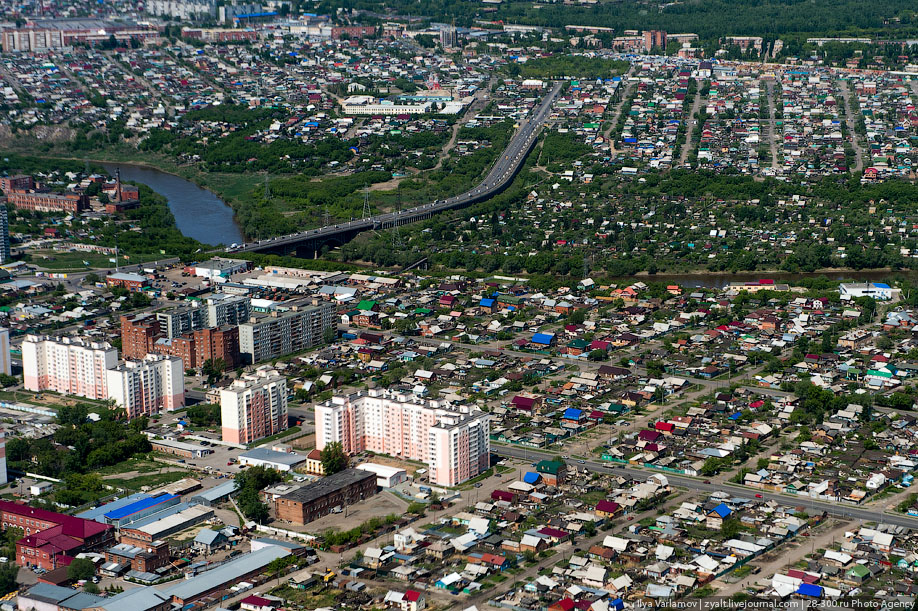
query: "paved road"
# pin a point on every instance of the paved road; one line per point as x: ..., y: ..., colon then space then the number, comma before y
x: 838, y: 509
x: 772, y: 138
x: 500, y: 175
x: 859, y: 152
x: 690, y: 122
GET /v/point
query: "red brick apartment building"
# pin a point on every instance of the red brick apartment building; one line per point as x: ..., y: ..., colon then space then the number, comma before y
x: 52, y: 539
x: 141, y: 334
x: 74, y: 203
x: 20, y: 182
x: 353, y: 31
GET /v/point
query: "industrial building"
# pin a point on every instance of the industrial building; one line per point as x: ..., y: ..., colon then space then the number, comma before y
x: 319, y: 498
x: 263, y: 457
x: 386, y: 476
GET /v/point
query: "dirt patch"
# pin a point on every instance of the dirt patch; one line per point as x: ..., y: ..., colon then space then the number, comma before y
x: 395, y: 462
x: 307, y: 442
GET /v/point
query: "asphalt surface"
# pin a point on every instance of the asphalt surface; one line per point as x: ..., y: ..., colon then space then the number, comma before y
x: 811, y: 506
x: 500, y: 175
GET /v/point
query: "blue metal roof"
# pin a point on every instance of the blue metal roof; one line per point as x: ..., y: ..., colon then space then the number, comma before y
x: 722, y: 510
x: 810, y: 589
x: 97, y: 514
x: 543, y: 338
x: 139, y: 506
x: 572, y: 413
x: 531, y: 478
x: 487, y: 303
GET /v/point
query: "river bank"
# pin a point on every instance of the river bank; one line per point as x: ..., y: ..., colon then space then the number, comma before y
x: 198, y: 212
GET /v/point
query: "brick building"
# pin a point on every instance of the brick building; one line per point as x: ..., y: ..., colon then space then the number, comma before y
x: 74, y: 203
x: 20, y: 182
x: 181, y: 347
x: 143, y: 334
x: 139, y: 333
x: 353, y: 31
x: 317, y: 499
x: 145, y: 558
x: 52, y: 539
x: 218, y: 343
x: 131, y: 282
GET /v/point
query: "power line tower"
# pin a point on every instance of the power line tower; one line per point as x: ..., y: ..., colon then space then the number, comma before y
x: 326, y: 219
x: 267, y: 188
x: 396, y: 235
x: 366, y: 201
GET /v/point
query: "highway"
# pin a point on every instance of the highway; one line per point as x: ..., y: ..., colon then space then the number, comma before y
x: 497, y: 179
x: 811, y: 506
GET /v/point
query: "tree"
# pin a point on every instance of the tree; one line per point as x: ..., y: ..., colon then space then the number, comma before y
x: 81, y: 568
x: 333, y: 458
x: 213, y: 369
x: 8, y: 573
x: 279, y: 566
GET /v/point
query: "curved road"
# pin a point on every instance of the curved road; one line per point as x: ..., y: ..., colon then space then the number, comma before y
x: 500, y: 175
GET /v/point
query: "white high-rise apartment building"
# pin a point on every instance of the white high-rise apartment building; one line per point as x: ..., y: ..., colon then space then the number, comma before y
x: 254, y: 406
x: 68, y: 365
x: 147, y: 386
x: 452, y: 440
x: 6, y: 365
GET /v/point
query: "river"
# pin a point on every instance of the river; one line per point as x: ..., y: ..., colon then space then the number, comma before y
x: 198, y: 213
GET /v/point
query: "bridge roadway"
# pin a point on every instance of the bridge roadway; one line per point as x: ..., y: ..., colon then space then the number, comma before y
x: 838, y: 509
x: 509, y: 163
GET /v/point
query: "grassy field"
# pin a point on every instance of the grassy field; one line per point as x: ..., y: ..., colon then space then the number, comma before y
x: 60, y: 261
x: 152, y: 480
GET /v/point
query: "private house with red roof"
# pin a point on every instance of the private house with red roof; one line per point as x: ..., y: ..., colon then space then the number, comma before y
x: 503, y: 495
x: 52, y: 539
x: 565, y: 604
x: 526, y: 404
x: 492, y: 561
x: 257, y: 603
x: 606, y: 508
x: 555, y: 535
x: 664, y: 427
x: 413, y: 600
